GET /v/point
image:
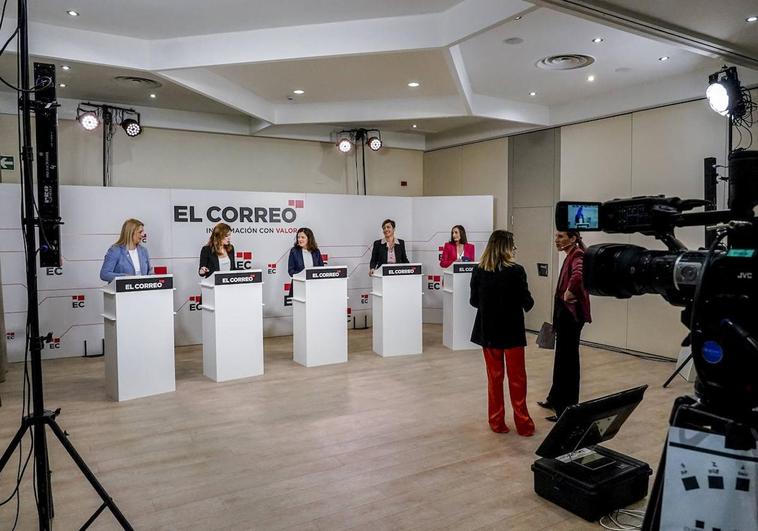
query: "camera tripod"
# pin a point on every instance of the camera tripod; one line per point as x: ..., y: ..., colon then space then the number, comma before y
x: 691, y: 414
x: 40, y: 419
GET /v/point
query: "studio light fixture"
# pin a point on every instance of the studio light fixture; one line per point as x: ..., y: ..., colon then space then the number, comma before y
x: 374, y: 143
x: 349, y: 138
x: 728, y: 98
x: 72, y: 13
x: 91, y: 115
x: 131, y: 127
x: 724, y: 94
x: 345, y: 145
x: 88, y: 120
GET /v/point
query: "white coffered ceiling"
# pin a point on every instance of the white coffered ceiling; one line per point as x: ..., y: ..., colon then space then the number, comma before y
x: 354, y: 59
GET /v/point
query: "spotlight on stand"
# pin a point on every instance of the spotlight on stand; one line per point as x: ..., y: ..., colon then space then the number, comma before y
x: 131, y: 127
x: 375, y: 143
x: 345, y: 145
x: 725, y: 94
x: 88, y: 120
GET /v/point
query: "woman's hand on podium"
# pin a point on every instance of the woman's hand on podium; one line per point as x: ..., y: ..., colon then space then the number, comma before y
x: 371, y: 272
x: 203, y: 271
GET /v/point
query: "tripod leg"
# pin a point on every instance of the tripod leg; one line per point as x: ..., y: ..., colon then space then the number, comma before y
x: 14, y: 443
x: 107, y: 500
x: 676, y: 371
x: 652, y: 521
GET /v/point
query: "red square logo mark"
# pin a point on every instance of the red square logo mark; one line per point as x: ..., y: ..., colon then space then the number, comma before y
x: 245, y: 255
x: 77, y: 297
x: 287, y: 287
x: 160, y: 270
x: 297, y: 203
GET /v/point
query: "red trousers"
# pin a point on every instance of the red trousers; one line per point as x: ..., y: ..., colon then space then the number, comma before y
x: 499, y: 360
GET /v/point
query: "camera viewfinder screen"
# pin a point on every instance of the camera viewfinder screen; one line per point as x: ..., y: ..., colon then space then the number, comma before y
x: 583, y: 216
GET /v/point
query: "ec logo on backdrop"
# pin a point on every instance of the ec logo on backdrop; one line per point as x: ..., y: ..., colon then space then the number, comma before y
x: 287, y: 296
x: 364, y: 298
x: 10, y: 336
x: 77, y: 301
x: 54, y: 271
x: 433, y: 282
x: 244, y: 260
x: 54, y: 344
x: 194, y: 302
x: 271, y: 269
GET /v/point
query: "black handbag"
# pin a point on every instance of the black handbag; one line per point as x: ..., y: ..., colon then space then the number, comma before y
x: 546, y: 337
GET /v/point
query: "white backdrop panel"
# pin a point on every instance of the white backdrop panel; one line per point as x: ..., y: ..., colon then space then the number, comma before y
x: 177, y: 223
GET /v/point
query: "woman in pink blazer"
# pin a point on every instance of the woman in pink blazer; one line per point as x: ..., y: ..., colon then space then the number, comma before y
x: 457, y: 249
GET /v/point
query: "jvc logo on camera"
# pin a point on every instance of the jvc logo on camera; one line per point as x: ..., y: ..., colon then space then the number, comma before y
x: 244, y: 260
x: 745, y: 275
x: 194, y: 302
x: 434, y: 282
x: 77, y: 301
x: 53, y: 271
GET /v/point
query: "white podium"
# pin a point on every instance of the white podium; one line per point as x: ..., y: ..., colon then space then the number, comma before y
x: 139, y: 336
x: 396, y: 309
x: 457, y: 313
x: 232, y: 324
x: 319, y: 298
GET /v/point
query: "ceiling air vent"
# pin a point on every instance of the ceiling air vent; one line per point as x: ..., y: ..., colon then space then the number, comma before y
x: 566, y: 61
x: 137, y: 82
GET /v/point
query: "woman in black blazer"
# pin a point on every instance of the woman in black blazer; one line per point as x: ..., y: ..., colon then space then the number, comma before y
x: 388, y: 250
x: 304, y: 253
x: 500, y: 293
x: 218, y: 253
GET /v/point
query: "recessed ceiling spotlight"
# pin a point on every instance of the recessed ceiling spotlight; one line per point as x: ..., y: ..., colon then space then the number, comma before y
x: 518, y: 17
x: 590, y: 78
x: 66, y: 67
x: 62, y: 85
x: 414, y: 126
x: 414, y: 84
x: 73, y: 13
x: 532, y: 93
x: 298, y: 92
x: 153, y: 96
x: 664, y: 58
x: 752, y: 18
x: 598, y: 40
x: 513, y: 40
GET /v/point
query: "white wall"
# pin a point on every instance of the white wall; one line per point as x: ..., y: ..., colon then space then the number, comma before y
x: 480, y: 168
x: 164, y: 158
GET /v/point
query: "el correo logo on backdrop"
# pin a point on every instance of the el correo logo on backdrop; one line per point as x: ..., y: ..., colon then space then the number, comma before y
x: 240, y: 214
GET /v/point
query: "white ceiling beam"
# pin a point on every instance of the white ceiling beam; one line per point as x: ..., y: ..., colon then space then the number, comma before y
x: 471, y: 17
x: 458, y: 72
x: 369, y: 111
x: 514, y: 111
x: 222, y: 90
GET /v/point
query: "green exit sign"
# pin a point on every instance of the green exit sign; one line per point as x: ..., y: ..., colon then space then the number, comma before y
x: 7, y: 163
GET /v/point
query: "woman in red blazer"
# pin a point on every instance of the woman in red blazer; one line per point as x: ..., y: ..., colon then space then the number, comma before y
x: 570, y: 313
x: 457, y: 249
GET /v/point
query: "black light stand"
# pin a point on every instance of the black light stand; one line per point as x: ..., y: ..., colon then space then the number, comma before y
x: 40, y: 418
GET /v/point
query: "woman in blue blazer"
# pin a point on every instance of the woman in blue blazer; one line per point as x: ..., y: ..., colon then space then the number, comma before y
x: 304, y: 253
x: 126, y: 256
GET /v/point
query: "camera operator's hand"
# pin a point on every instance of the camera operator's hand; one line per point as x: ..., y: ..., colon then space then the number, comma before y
x: 569, y: 297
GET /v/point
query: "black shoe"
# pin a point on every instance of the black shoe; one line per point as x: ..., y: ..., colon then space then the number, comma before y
x: 546, y: 404
x: 552, y: 418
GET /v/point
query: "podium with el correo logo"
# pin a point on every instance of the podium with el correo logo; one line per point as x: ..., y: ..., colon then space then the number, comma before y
x: 396, y: 309
x: 232, y: 306
x: 319, y: 313
x: 457, y: 313
x: 138, y: 313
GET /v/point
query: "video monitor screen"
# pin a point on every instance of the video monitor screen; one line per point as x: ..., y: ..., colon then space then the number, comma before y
x: 583, y: 216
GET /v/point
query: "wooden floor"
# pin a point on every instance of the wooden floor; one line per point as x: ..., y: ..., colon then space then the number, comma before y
x: 395, y: 443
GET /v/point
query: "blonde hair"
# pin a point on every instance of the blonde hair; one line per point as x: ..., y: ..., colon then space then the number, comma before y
x: 127, y: 231
x: 220, y: 231
x: 499, y: 251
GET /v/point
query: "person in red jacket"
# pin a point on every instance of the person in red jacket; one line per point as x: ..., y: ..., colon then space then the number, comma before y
x: 571, y: 311
x: 457, y: 249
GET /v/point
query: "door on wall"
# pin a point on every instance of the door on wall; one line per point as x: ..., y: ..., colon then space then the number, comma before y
x: 532, y: 228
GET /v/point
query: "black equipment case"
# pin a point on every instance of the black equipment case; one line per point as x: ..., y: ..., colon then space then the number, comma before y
x: 586, y: 479
x: 592, y: 493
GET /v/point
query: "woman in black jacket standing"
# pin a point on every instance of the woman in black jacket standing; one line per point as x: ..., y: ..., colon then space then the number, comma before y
x: 500, y: 293
x: 218, y: 253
